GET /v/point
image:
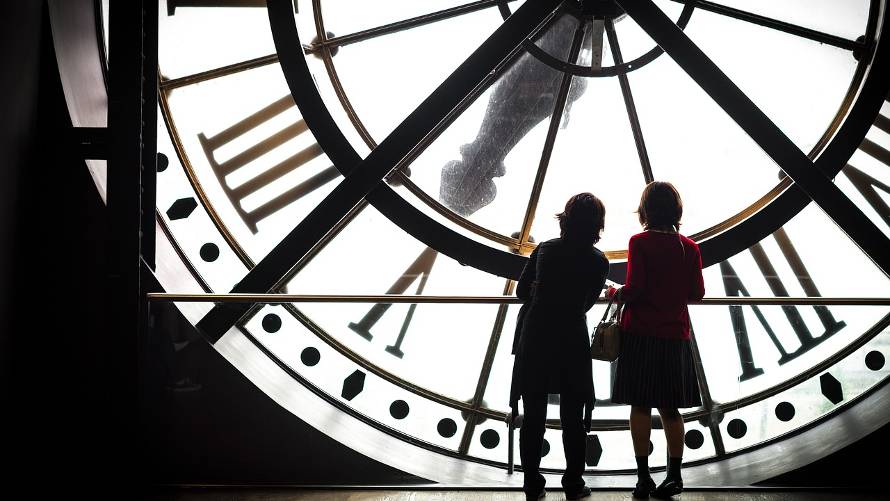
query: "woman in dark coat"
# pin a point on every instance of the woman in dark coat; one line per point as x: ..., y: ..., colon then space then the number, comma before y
x: 561, y: 280
x: 656, y: 368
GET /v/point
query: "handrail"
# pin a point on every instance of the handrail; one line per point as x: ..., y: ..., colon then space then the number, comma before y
x: 418, y: 299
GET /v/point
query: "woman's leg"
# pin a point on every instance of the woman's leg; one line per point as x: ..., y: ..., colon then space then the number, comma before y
x: 672, y: 422
x: 673, y: 431
x: 574, y: 442
x: 640, y: 430
x: 531, y: 441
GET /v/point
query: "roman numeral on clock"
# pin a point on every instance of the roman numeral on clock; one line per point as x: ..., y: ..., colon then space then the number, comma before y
x: 417, y: 271
x: 869, y: 187
x: 734, y: 286
x: 238, y: 194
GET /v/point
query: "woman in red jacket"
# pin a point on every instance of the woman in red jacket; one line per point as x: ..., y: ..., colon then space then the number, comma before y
x: 656, y: 368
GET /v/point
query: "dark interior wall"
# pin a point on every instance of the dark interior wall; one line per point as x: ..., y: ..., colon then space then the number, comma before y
x: 56, y: 392
x: 58, y: 388
x: 18, y: 83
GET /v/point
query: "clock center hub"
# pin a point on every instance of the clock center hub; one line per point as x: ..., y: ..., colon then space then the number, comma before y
x: 601, y: 9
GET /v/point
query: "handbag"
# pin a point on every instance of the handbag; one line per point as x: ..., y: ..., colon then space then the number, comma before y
x: 605, y: 343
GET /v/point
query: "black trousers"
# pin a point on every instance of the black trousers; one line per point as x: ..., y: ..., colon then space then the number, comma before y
x: 531, y: 440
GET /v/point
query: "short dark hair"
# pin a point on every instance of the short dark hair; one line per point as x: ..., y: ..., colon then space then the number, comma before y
x: 583, y: 218
x: 660, y: 206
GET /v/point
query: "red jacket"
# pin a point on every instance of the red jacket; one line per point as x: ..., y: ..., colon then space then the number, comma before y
x: 663, y: 275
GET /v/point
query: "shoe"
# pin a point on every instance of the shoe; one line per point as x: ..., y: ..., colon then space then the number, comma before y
x: 644, y: 488
x: 668, y: 488
x: 583, y: 493
x: 541, y: 495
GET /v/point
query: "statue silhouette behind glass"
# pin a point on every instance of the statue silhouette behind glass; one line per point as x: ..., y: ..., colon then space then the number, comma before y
x: 524, y: 96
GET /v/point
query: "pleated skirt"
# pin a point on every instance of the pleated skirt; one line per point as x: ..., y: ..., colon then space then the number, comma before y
x: 655, y: 372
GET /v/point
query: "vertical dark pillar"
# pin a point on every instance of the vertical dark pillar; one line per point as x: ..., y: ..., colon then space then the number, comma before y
x: 149, y: 129
x: 132, y: 100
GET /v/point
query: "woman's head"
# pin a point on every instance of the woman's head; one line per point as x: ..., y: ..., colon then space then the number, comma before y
x: 583, y: 218
x: 660, y: 206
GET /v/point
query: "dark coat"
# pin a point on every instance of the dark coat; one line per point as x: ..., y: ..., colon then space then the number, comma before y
x: 560, y: 282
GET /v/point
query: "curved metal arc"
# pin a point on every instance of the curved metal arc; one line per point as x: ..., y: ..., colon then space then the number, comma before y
x: 321, y: 35
x: 196, y: 183
x: 590, y: 71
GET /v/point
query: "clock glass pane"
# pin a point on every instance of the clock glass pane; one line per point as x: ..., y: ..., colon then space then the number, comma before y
x: 242, y: 168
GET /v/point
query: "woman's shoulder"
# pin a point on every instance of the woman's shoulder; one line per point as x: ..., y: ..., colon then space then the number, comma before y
x: 599, y: 258
x: 642, y: 239
x: 688, y: 241
x: 553, y: 242
x: 639, y: 237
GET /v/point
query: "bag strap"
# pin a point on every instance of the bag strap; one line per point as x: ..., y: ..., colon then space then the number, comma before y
x: 619, y: 310
x: 618, y: 307
x: 606, y: 313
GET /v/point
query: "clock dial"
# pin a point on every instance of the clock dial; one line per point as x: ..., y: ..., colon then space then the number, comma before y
x: 255, y: 198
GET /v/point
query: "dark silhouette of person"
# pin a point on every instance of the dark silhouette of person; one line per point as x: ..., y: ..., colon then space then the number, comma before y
x: 561, y: 280
x: 523, y: 97
x: 656, y: 367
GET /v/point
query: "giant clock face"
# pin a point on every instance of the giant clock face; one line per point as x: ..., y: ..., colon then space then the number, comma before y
x: 263, y: 118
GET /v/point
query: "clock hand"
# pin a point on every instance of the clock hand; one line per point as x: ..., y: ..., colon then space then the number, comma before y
x: 629, y: 104
x: 367, y: 174
x: 762, y: 130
